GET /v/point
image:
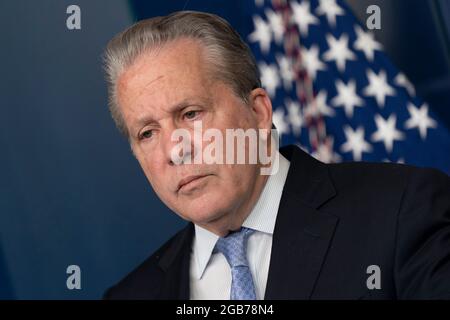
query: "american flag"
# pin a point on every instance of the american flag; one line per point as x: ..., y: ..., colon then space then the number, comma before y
x: 335, y: 93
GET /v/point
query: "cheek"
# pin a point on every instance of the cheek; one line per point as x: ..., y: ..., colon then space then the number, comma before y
x: 153, y: 170
x: 150, y: 162
x: 237, y: 179
x: 167, y: 196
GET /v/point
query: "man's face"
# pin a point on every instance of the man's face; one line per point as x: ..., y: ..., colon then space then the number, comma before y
x: 169, y: 89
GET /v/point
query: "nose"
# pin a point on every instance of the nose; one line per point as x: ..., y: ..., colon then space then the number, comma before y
x: 178, y: 145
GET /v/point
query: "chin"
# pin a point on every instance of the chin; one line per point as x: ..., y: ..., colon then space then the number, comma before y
x: 202, y: 213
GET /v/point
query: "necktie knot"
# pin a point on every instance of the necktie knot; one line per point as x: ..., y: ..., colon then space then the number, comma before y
x: 234, y: 247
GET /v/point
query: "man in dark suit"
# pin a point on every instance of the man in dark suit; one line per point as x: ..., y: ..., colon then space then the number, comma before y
x: 307, y: 230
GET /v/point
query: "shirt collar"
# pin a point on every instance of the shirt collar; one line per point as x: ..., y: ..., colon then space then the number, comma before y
x: 262, y: 218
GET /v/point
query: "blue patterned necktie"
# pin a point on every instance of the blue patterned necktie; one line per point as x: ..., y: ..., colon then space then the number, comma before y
x: 234, y: 248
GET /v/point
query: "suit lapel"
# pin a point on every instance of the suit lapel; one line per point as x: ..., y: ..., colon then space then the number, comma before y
x: 302, y: 233
x: 175, y: 263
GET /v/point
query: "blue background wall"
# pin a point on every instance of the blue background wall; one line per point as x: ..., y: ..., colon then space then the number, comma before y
x: 70, y: 190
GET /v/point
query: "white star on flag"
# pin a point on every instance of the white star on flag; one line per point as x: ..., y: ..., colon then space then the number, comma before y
x: 269, y: 77
x: 400, y: 160
x: 419, y: 119
x: 338, y: 51
x: 355, y: 142
x: 302, y: 16
x: 386, y: 131
x: 286, y: 72
x: 295, y: 117
x: 276, y: 24
x: 325, y: 152
x: 262, y: 34
x: 278, y: 118
x: 311, y: 61
x: 347, y: 97
x: 331, y: 9
x: 366, y: 43
x: 319, y: 106
x: 378, y: 87
x: 402, y: 81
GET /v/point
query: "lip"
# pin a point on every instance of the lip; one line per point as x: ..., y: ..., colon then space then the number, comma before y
x: 189, y: 179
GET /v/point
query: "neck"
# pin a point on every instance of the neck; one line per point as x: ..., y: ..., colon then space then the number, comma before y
x: 233, y: 221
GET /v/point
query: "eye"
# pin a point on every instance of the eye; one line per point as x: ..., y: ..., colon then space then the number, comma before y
x: 191, y: 114
x: 146, y: 134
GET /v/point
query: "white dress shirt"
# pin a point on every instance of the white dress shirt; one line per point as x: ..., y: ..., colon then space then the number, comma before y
x: 210, y: 273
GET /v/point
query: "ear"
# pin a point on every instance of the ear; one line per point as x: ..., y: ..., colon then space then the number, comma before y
x: 262, y: 108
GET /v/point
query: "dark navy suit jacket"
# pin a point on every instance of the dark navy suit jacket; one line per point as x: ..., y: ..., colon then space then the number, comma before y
x: 334, y: 221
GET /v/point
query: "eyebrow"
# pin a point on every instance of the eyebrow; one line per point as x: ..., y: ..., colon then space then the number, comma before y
x: 148, y: 119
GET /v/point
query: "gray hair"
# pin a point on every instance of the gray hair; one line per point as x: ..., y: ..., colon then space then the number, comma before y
x: 229, y: 56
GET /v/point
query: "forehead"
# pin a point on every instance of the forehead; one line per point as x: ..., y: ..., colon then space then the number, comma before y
x: 160, y: 78
x: 178, y: 63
